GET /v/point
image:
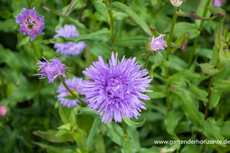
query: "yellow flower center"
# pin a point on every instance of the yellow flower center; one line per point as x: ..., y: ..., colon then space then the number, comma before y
x: 74, y: 91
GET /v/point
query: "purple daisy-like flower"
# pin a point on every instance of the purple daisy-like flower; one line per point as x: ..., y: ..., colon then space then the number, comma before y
x: 75, y: 85
x: 30, y: 22
x: 69, y: 48
x: 158, y: 44
x: 116, y: 89
x: 51, y: 70
x: 218, y: 3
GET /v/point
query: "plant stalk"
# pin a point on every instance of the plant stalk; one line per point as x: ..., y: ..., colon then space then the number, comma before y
x: 146, y: 61
x: 167, y: 58
x: 70, y: 91
x: 111, y: 23
x: 197, y: 38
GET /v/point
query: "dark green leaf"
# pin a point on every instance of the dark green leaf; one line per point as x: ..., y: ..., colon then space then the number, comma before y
x: 24, y: 41
x: 171, y: 122
x: 50, y: 136
x: 184, y: 27
x: 131, y: 14
x: 93, y: 132
x: 189, y: 107
x: 212, y: 131
x: 208, y: 69
x: 134, y: 124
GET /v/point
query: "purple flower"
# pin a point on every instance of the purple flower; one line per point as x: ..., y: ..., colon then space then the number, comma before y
x: 51, y: 70
x: 75, y: 85
x: 218, y: 3
x: 158, y: 44
x: 30, y: 22
x: 116, y: 89
x: 3, y: 110
x: 69, y: 48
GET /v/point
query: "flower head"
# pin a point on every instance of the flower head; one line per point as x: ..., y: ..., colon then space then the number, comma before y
x: 51, y: 70
x: 30, y: 22
x: 116, y: 89
x: 176, y: 3
x: 157, y: 44
x: 75, y: 85
x: 69, y: 48
x: 218, y: 3
x: 3, y: 110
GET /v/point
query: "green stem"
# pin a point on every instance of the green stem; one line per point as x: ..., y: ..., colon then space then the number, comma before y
x: 208, y: 103
x: 70, y: 91
x: 111, y: 23
x: 146, y: 61
x: 167, y: 58
x: 37, y: 57
x: 124, y: 127
x: 197, y: 38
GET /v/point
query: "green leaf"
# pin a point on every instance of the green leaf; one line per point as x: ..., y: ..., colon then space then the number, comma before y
x: 52, y: 148
x: 224, y: 129
x: 101, y: 9
x: 208, y: 69
x: 10, y: 58
x: 212, y: 131
x: 114, y: 136
x: 184, y: 27
x: 80, y: 137
x: 99, y: 143
x: 67, y: 115
x: 10, y: 143
x: 132, y: 42
x: 156, y: 95
x: 200, y: 11
x: 93, y: 132
x: 184, y: 75
x: 171, y: 122
x: 80, y: 27
x: 216, y: 10
x: 5, y: 14
x: 214, y: 99
x: 218, y: 33
x: 126, y: 145
x: 70, y: 97
x: 138, y: 20
x: 100, y: 35
x: 221, y: 85
x: 21, y: 95
x: 24, y: 41
x: 50, y: 136
x: 155, y: 65
x: 224, y: 56
x: 181, y: 42
x: 199, y: 93
x: 191, y: 148
x: 189, y: 107
x: 204, y: 52
x: 87, y: 111
x: 194, y: 16
x: 65, y: 126
x: 134, y: 124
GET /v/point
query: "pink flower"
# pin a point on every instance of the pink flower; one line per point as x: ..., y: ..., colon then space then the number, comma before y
x: 3, y: 110
x: 218, y: 3
x: 158, y: 44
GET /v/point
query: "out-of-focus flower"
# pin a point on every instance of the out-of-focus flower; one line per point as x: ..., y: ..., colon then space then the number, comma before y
x: 69, y: 48
x: 51, y: 70
x: 30, y: 22
x: 176, y: 3
x: 116, y: 89
x: 75, y: 85
x: 157, y: 44
x: 3, y: 110
x: 218, y: 3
